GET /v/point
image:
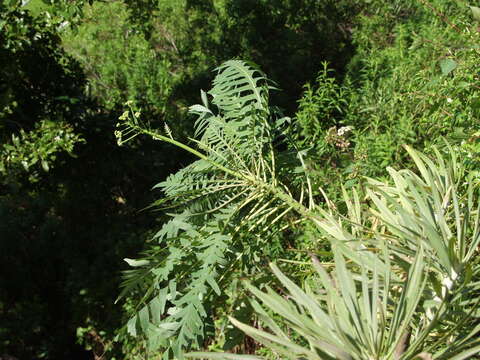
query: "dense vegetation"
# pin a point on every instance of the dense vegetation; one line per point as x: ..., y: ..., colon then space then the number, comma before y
x: 318, y: 199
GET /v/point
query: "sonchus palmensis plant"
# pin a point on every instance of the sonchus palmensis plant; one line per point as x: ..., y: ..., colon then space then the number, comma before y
x: 227, y: 206
x: 405, y: 277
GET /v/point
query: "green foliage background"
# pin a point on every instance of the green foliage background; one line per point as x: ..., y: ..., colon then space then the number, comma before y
x: 356, y: 79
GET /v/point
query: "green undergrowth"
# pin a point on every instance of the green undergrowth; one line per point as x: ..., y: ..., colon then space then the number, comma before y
x: 119, y: 62
x: 413, y: 80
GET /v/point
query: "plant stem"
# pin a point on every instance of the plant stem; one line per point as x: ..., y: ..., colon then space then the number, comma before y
x: 274, y: 190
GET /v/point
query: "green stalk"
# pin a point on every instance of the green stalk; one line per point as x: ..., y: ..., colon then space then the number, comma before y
x: 275, y: 191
